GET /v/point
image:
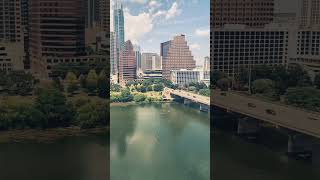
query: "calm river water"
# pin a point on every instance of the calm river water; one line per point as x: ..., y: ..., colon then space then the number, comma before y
x: 152, y: 142
x: 73, y: 158
x: 160, y: 141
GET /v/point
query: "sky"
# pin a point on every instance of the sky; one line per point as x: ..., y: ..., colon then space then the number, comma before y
x: 151, y: 22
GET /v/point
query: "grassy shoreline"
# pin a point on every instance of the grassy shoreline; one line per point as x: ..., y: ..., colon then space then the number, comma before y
x: 47, y: 135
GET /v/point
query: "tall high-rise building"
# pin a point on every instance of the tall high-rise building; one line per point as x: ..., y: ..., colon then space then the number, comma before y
x: 118, y: 25
x: 25, y: 30
x: 127, y: 64
x: 253, y: 13
x: 206, y: 64
x: 118, y: 22
x: 104, y: 15
x: 57, y: 32
x: 11, y: 35
x: 150, y: 61
x: 236, y: 48
x: 309, y: 15
x: 113, y: 54
x: 176, y: 55
x: 10, y: 21
x: 137, y: 52
x: 92, y: 12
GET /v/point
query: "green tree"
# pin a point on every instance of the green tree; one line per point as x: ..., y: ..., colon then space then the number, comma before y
x: 158, y: 87
x: 103, y: 85
x: 223, y: 84
x: 82, y: 79
x: 28, y: 116
x: 57, y: 84
x: 93, y: 114
x: 216, y: 76
x: 304, y: 97
x: 115, y: 88
x: 92, y: 81
x: 317, y: 81
x: 72, y: 82
x: 139, y: 97
x: 204, y: 92
x: 261, y: 86
x: 52, y: 103
x: 149, y: 88
x: 125, y: 95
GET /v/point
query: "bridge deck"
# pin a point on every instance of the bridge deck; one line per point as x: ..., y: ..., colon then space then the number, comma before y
x: 284, y: 116
x: 191, y: 96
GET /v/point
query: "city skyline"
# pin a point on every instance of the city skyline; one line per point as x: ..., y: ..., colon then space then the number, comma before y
x: 163, y: 20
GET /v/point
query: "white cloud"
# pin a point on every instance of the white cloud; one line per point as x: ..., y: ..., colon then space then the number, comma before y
x: 202, y: 32
x: 137, y: 26
x: 153, y: 5
x: 138, y: 1
x: 195, y: 46
x: 173, y: 11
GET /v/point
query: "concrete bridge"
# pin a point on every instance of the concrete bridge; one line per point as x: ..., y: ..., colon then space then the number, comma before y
x: 303, y: 126
x: 188, y: 98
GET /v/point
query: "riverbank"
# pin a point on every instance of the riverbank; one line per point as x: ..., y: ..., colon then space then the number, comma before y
x: 47, y: 135
x: 124, y: 104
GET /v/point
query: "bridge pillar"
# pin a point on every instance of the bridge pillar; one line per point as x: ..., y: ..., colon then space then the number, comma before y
x: 247, y: 126
x: 204, y: 108
x: 299, y: 144
x: 187, y: 101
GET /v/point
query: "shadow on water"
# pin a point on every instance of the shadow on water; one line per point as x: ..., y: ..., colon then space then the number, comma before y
x: 234, y: 157
x: 72, y: 158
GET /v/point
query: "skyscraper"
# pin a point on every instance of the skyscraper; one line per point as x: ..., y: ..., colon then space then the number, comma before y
x: 127, y: 64
x: 118, y: 25
x: 137, y: 52
x: 150, y: 61
x: 11, y: 36
x: 57, y: 33
x: 92, y: 13
x: 176, y: 55
x: 309, y: 14
x: 206, y: 64
x: 10, y: 21
x: 113, y: 55
x: 253, y: 13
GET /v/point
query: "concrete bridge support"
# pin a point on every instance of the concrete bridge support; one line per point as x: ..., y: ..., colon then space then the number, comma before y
x: 248, y: 126
x: 299, y: 144
x: 187, y: 102
x: 316, y: 153
x: 204, y: 108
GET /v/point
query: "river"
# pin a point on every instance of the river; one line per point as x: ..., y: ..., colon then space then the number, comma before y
x: 159, y: 141
x: 72, y: 158
x: 235, y: 157
x: 153, y: 142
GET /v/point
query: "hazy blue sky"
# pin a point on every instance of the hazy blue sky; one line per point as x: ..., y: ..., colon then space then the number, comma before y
x: 150, y: 22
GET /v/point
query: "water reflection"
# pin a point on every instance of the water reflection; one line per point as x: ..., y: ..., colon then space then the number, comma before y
x: 165, y: 141
x: 124, y: 126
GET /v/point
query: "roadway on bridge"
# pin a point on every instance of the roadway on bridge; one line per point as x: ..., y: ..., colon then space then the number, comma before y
x: 281, y: 115
x: 191, y: 96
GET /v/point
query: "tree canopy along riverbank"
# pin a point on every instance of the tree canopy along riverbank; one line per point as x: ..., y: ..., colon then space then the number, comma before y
x: 26, y: 103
